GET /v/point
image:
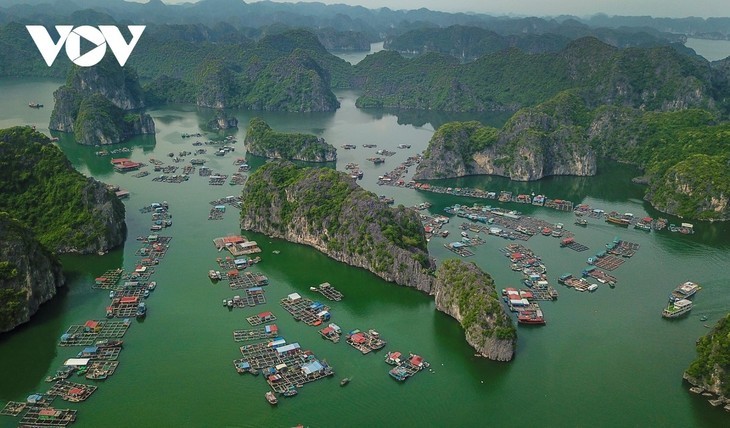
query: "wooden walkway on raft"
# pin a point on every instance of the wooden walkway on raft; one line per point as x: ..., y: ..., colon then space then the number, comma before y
x: 98, y: 370
x: 108, y: 279
x: 253, y: 334
x: 576, y: 247
x: 301, y: 310
x: 79, y: 336
x: 41, y: 416
x: 239, y: 280
x: 71, y: 391
x: 609, y: 262
x: 602, y: 277
x: 328, y: 291
x: 253, y: 297
x: 264, y: 358
x: 257, y: 320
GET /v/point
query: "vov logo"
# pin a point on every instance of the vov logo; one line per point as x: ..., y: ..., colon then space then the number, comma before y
x: 71, y: 37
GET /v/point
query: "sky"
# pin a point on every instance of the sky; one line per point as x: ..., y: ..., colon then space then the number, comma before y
x: 656, y: 8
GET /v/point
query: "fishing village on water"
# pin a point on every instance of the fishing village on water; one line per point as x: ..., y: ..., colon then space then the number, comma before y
x: 196, y: 321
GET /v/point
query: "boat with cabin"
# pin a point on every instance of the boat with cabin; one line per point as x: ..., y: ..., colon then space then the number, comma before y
x: 345, y: 381
x: 531, y: 317
x: 271, y: 397
x: 684, y: 291
x: 109, y: 343
x: 677, y: 308
x: 141, y: 310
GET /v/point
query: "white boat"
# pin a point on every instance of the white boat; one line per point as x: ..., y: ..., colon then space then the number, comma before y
x: 685, y: 290
x: 678, y: 308
x: 593, y: 287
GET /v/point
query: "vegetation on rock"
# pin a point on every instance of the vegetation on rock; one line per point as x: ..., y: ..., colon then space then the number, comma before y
x: 261, y: 140
x: 66, y: 211
x: 711, y: 369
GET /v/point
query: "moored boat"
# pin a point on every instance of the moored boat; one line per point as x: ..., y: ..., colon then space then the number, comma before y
x: 344, y: 381
x: 677, y: 308
x: 531, y: 317
x: 141, y: 310
x: 271, y: 397
x: 685, y: 291
x: 109, y: 343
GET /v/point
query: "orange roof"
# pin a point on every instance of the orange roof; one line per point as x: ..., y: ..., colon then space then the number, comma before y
x: 233, y: 239
x: 91, y: 324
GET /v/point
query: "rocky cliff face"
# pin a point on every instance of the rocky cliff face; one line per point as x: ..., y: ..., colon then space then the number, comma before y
x: 697, y: 187
x: 222, y: 121
x: 325, y: 209
x: 711, y: 370
x: 99, y: 105
x: 466, y: 293
x: 67, y: 211
x: 29, y: 274
x: 532, y: 145
x: 263, y: 141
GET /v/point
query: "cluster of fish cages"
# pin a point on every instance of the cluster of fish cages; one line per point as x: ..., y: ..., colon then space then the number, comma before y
x: 108, y: 279
x: 72, y: 391
x: 261, y: 318
x: 217, y: 179
x: 608, y: 262
x: 305, y: 310
x: 87, y: 334
x: 328, y: 291
x: 252, y: 297
x: 266, y: 332
x: 141, y: 174
x: 238, y: 280
x: 176, y: 179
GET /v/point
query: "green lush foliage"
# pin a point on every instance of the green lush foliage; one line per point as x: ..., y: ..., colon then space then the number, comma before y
x: 12, y: 302
x: 713, y: 356
x: 261, y: 140
x: 330, y: 202
x: 476, y: 298
x: 42, y: 189
x: 466, y: 138
x: 652, y: 79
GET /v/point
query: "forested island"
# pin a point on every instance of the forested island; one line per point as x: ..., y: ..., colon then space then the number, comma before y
x: 101, y: 105
x: 47, y: 208
x: 325, y: 209
x: 711, y: 370
x: 263, y: 141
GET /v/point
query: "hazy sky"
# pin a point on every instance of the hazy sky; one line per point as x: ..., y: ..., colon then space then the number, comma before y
x: 657, y: 8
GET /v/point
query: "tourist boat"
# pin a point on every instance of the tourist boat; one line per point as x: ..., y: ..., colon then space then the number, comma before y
x: 344, y: 381
x: 271, y: 398
x: 677, y: 308
x: 531, y: 317
x: 398, y: 373
x: 593, y: 287
x: 684, y: 291
x: 141, y: 310
x: 615, y: 218
x: 546, y: 231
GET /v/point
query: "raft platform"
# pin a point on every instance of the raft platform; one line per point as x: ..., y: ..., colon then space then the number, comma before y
x: 286, y: 367
x: 261, y: 318
x: 254, y: 296
x: 71, y: 391
x: 577, y: 247
x: 609, y: 262
x: 304, y: 309
x: 365, y: 342
x: 42, y: 416
x: 99, y: 370
x: 408, y: 367
x: 236, y: 280
x: 602, y: 277
x: 108, y: 279
x: 266, y: 332
x: 87, y: 334
x: 13, y: 408
x: 328, y: 291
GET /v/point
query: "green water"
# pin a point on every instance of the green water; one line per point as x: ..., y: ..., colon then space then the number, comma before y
x: 604, y: 359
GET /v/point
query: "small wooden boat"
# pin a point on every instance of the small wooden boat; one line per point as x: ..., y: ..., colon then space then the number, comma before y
x: 271, y: 398
x: 345, y: 381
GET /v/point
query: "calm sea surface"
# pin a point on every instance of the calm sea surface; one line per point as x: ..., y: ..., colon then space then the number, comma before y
x: 712, y: 50
x: 604, y: 359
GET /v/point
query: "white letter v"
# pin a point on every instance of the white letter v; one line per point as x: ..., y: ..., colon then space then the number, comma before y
x: 42, y: 39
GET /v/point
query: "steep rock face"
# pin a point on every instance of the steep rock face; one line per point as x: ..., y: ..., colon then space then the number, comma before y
x: 534, y: 144
x: 222, y: 121
x: 697, y: 187
x: 325, y: 209
x: 711, y: 369
x: 29, y: 274
x: 466, y: 293
x: 98, y: 105
x: 67, y: 211
x: 263, y: 141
